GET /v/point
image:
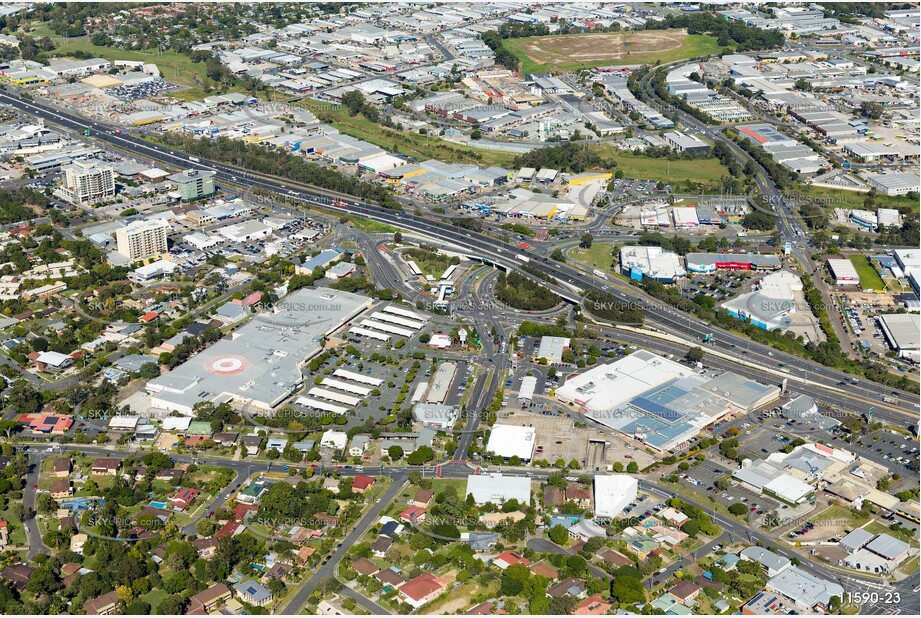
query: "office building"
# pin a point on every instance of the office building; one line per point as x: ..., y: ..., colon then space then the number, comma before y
x: 194, y: 184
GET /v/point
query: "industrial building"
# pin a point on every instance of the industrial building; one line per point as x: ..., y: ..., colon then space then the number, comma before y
x: 686, y: 143
x: 843, y: 272
x: 261, y: 364
x: 659, y: 402
x: 903, y: 333
x: 897, y: 183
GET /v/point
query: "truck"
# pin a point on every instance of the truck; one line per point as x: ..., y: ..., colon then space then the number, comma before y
x: 86, y: 132
x: 708, y: 337
x: 522, y: 258
x: 195, y: 159
x: 887, y: 399
x: 600, y: 274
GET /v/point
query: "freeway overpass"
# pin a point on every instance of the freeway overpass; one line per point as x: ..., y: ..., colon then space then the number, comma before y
x: 571, y: 281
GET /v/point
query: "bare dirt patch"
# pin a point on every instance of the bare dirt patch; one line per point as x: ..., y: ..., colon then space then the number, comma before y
x: 602, y: 46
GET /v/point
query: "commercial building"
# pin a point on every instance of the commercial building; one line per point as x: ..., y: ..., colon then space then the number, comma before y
x: 262, y: 363
x: 808, y: 592
x: 843, y: 272
x: 651, y: 262
x: 902, y: 333
x: 87, y: 182
x: 512, y: 441
x: 194, y: 184
x: 435, y: 415
x: 702, y: 263
x: 659, y: 402
x: 551, y: 349
x: 142, y: 239
x: 770, y: 303
x: 441, y: 383
x: 613, y: 492
x: 498, y: 488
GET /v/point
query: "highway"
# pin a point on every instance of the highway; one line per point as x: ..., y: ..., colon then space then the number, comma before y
x: 479, y: 245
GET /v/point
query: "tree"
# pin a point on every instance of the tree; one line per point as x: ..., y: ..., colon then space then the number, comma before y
x: 586, y: 241
x: 397, y: 237
x: 395, y: 452
x: 558, y: 255
x: 559, y: 535
x: 628, y: 589
x: 695, y: 354
x: 420, y: 456
x: 632, y: 467
x: 738, y: 509
x: 149, y: 371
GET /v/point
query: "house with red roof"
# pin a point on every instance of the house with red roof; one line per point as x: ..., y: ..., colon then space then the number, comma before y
x: 184, y: 497
x: 54, y: 424
x: 421, y: 590
x: 592, y: 606
x: 231, y: 528
x: 362, y: 483
x: 413, y: 514
x: 508, y: 558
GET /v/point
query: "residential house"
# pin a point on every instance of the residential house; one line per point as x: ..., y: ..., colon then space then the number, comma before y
x: 423, y: 498
x: 108, y: 466
x: 592, y: 606
x: 686, y: 592
x: 362, y: 483
x: 380, y: 546
x: 209, y: 601
x: 205, y: 547
x: 571, y: 586
x: 508, y: 558
x: 102, y: 605
x: 252, y: 592
x: 184, y: 497
x: 60, y: 489
x: 365, y: 567
x: 413, y: 514
x: 60, y: 467
x: 421, y: 590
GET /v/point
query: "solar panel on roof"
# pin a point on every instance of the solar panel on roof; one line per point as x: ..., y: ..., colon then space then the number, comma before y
x: 656, y: 409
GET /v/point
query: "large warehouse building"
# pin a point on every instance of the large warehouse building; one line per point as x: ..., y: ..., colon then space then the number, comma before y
x: 261, y: 363
x: 903, y: 333
x: 659, y: 402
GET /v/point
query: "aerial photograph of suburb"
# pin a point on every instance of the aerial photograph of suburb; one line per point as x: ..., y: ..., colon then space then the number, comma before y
x: 426, y: 308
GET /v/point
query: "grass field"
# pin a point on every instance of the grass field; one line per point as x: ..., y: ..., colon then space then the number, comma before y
x: 869, y: 278
x: 706, y: 171
x: 839, y: 198
x: 421, y: 147
x: 572, y: 52
x: 836, y: 513
x: 174, y: 67
x: 597, y: 256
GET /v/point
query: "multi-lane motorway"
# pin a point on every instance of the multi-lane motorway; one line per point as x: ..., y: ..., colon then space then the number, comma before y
x: 657, y: 316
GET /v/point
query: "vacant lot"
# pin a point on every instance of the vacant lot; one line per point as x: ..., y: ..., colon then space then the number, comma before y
x: 869, y: 278
x: 579, y: 51
x: 703, y: 171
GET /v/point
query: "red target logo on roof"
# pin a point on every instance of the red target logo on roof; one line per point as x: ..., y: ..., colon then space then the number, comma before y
x: 227, y: 365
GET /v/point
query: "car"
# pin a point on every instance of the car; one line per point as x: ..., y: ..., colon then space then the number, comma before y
x: 717, y: 547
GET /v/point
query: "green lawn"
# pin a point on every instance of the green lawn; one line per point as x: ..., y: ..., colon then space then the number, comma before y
x: 420, y: 147
x: 706, y: 171
x: 439, y: 485
x: 869, y: 278
x: 557, y: 53
x: 155, y: 597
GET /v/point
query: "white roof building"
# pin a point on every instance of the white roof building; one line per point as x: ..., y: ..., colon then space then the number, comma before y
x: 334, y: 439
x: 613, y: 492
x: 511, y: 441
x: 498, y: 488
